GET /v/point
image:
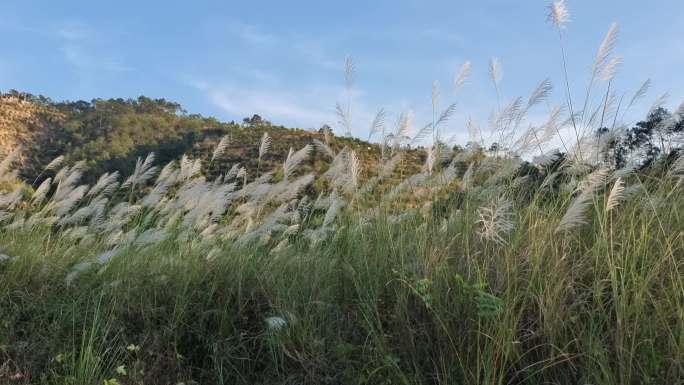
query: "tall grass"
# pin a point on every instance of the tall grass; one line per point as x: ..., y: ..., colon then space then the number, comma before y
x: 478, y: 269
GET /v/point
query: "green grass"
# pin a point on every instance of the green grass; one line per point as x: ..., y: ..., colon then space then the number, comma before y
x: 423, y: 300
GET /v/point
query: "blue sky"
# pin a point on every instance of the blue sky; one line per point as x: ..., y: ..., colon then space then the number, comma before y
x: 284, y: 59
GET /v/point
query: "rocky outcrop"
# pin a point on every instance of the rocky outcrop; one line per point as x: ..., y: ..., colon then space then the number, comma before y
x: 27, y: 125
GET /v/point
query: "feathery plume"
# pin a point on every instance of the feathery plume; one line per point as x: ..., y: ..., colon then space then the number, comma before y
x: 107, y: 184
x: 616, y: 194
x: 468, y: 176
x: 540, y: 93
x: 495, y: 220
x: 142, y: 173
x: 7, y: 163
x: 641, y: 92
x: 354, y: 169
x: 343, y: 118
x: 402, y: 130
x: 659, y: 102
x: 336, y: 203
x: 349, y: 71
x: 324, y: 148
x: 558, y: 14
x: 473, y: 130
x: 609, y: 71
x: 462, y: 75
x: 54, y: 164
x: 435, y: 92
x: 445, y: 115
x: 551, y: 125
x: 677, y: 168
x: 423, y: 133
x: 41, y: 191
x: 575, y: 215
x: 327, y: 134
x: 429, y: 160
x: 605, y: 50
x: 265, y: 145
x: 294, y: 159
x: 221, y: 147
x: 377, y: 124
x: 495, y: 71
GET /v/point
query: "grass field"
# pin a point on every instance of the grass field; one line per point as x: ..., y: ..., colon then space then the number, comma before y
x: 477, y: 267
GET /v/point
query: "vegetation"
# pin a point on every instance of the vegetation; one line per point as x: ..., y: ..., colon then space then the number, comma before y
x: 109, y: 135
x: 331, y: 265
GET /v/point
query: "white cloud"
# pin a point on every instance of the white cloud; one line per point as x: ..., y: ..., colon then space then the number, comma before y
x: 251, y: 34
x: 81, y: 46
x: 307, y: 108
x: 277, y: 106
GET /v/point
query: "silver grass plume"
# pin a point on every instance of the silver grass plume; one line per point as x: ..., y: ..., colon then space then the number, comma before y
x: 85, y: 212
x: 423, y: 133
x: 468, y: 176
x: 640, y: 93
x: 10, y: 200
x: 288, y: 190
x: 6, y: 164
x: 221, y: 147
x: 675, y: 118
x: 462, y: 75
x: 617, y: 193
x: 166, y: 171
x: 602, y: 58
x: 429, y: 160
x: 41, y: 192
x: 144, y: 170
x: 495, y: 220
x: 324, y: 148
x: 473, y: 131
x: 233, y: 172
x: 327, y: 135
x: 64, y: 206
x: 189, y: 168
x: 106, y: 184
x: 546, y: 159
x: 150, y: 236
x: 659, y: 102
x: 677, y: 168
x: 540, y: 93
x: 402, y: 130
x: 445, y: 115
x: 354, y: 169
x: 575, y: 215
x: 82, y: 267
x: 558, y: 14
x: 551, y: 127
x: 54, y: 164
x: 264, y: 146
x: 336, y: 203
x: 495, y: 71
x: 343, y: 119
x: 159, y: 190
x: 447, y: 175
x: 378, y: 124
x: 67, y: 179
x: 294, y: 159
x: 608, y: 72
x: 337, y: 171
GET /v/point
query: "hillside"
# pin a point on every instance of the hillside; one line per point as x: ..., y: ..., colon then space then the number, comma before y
x: 111, y: 134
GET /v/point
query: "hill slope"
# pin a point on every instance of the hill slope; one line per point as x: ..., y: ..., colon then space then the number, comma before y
x: 111, y: 134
